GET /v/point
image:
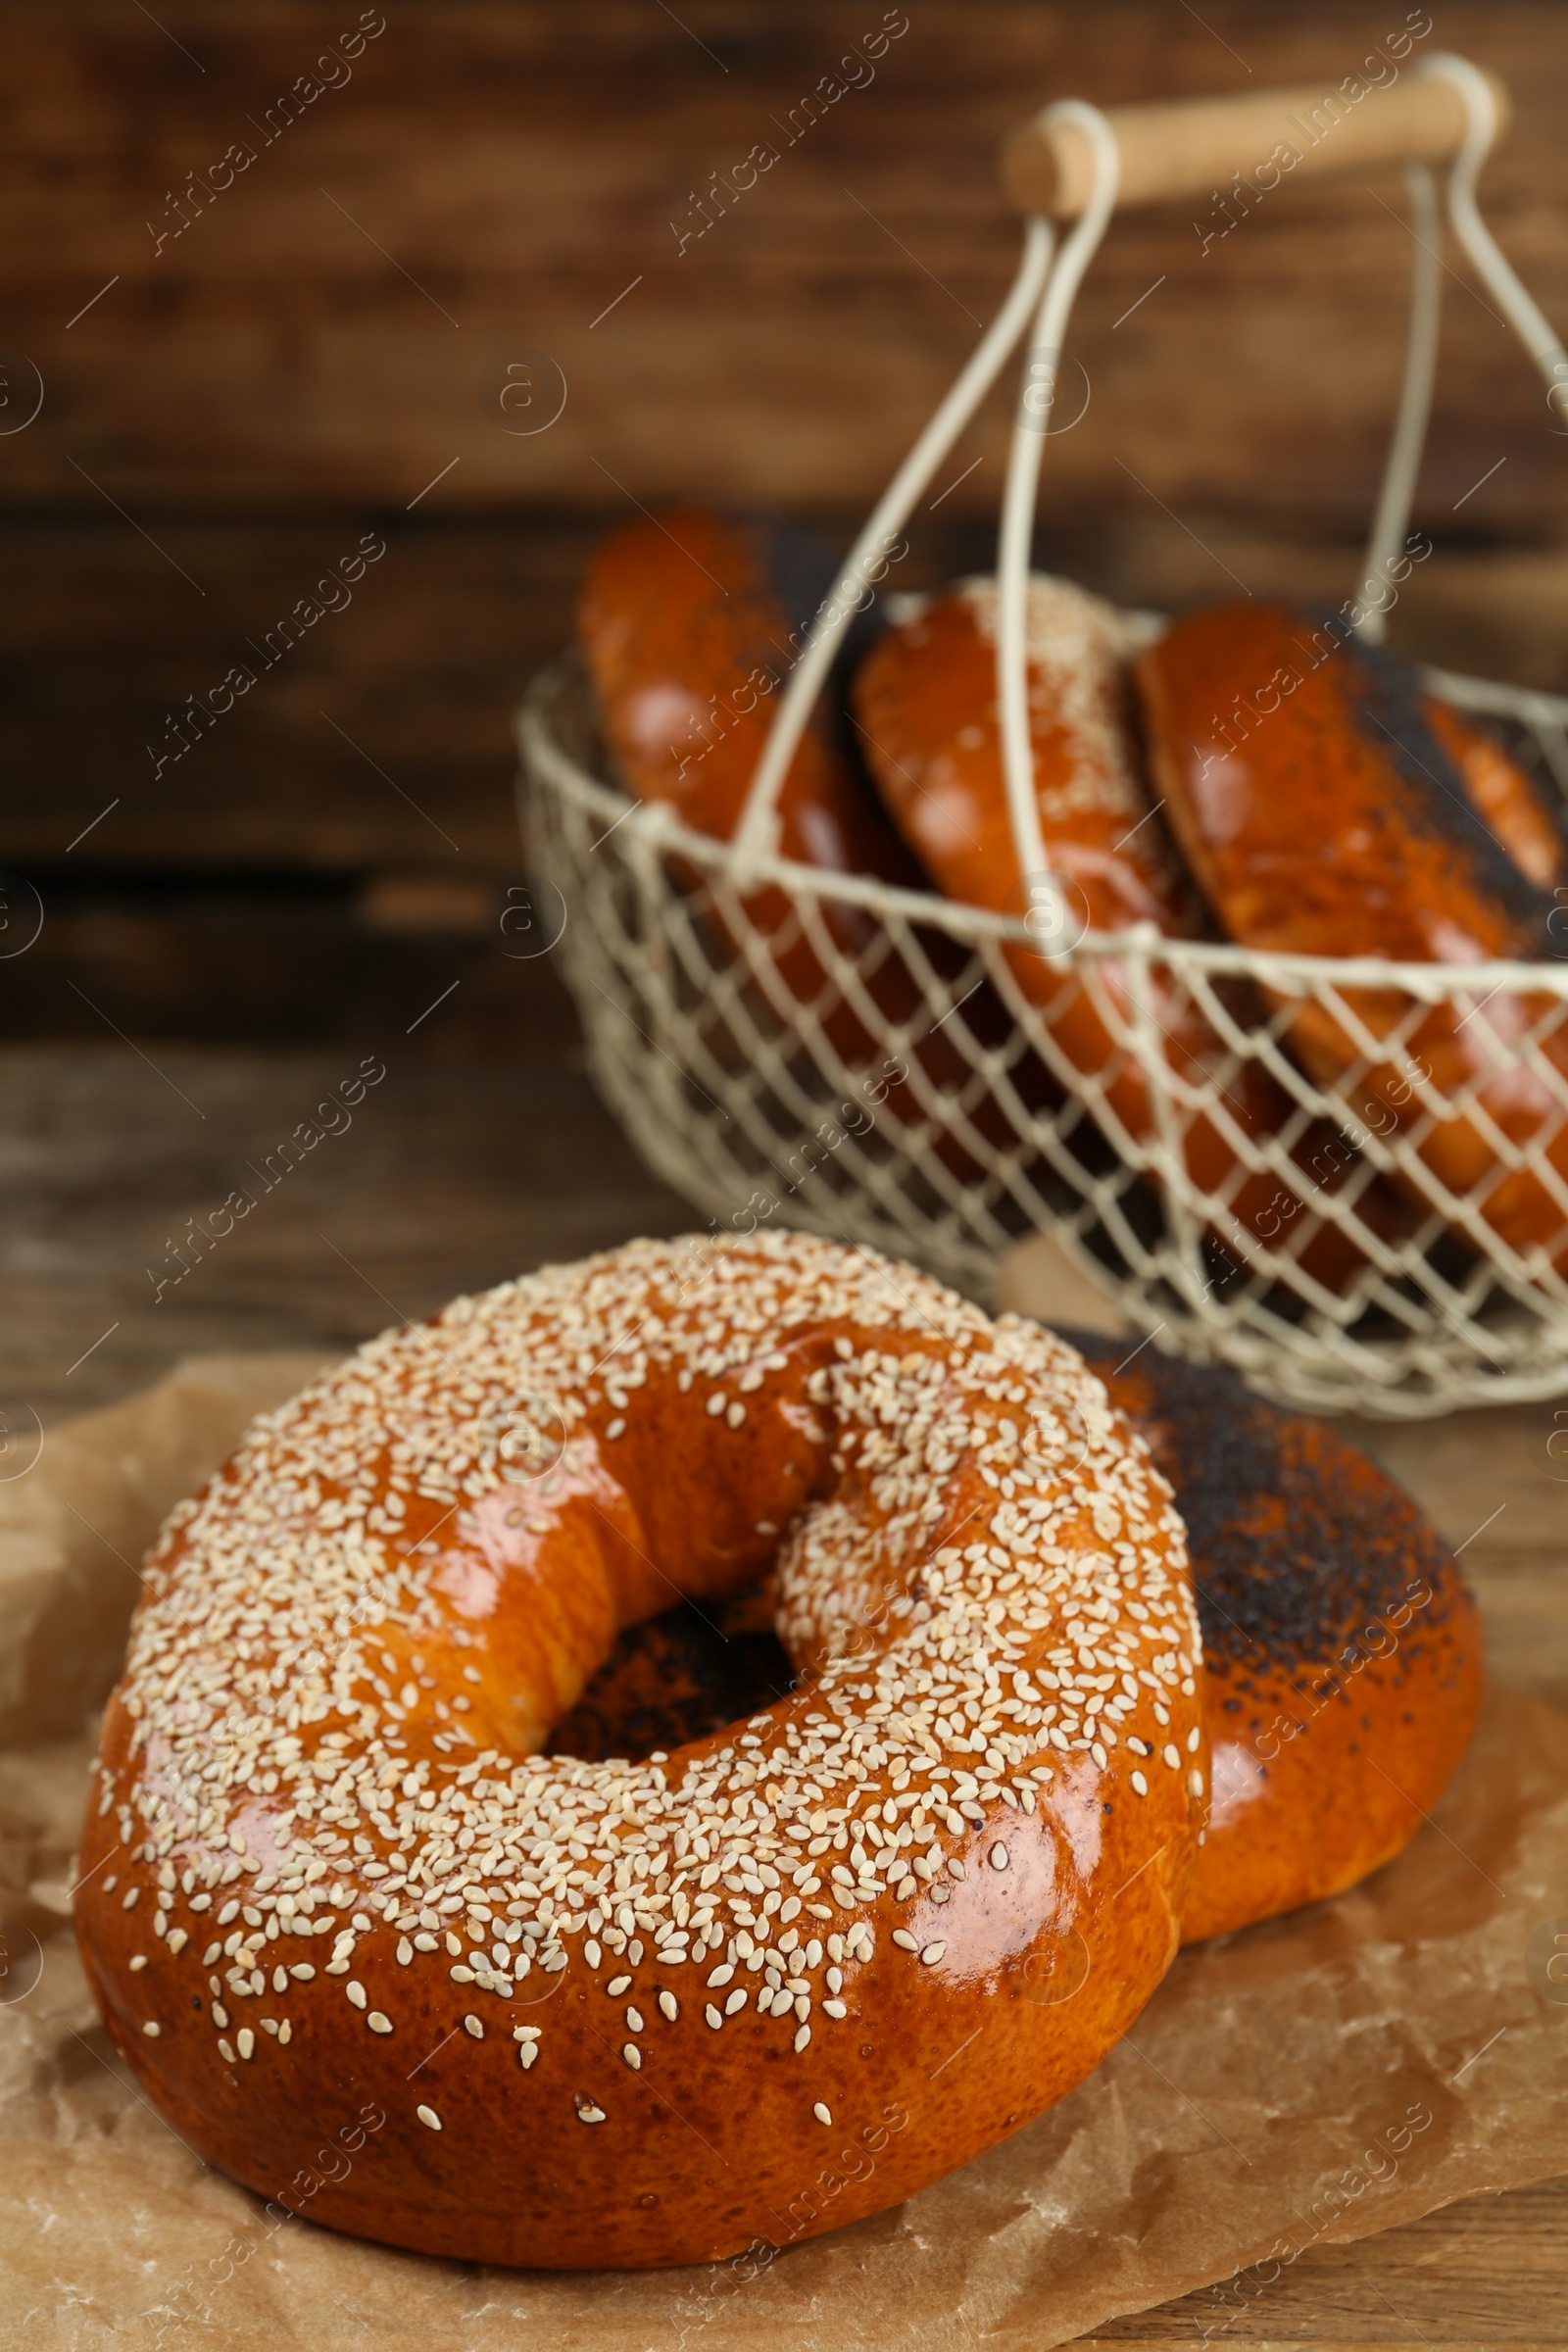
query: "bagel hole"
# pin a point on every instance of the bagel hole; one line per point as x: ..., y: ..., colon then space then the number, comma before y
x: 681, y: 1676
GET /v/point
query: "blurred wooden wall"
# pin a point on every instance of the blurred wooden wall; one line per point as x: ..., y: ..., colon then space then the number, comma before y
x: 247, y: 365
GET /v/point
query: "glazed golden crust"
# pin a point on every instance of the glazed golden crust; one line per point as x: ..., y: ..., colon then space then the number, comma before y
x: 318, y: 1767
x: 1320, y: 813
x: 689, y: 644
x: 686, y: 627
x: 1342, y: 1649
x: 925, y: 697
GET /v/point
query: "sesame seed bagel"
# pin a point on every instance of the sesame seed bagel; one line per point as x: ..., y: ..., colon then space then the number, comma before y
x: 632, y: 2013
x: 1342, y: 1648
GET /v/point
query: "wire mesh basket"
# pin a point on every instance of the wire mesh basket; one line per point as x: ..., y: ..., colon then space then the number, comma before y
x: 920, y: 1097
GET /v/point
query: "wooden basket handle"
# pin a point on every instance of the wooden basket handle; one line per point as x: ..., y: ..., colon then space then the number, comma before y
x: 1196, y: 146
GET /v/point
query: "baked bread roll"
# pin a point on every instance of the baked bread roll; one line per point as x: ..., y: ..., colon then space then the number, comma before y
x: 1342, y: 1649
x: 621, y: 2014
x: 690, y: 625
x: 925, y: 699
x: 1310, y: 782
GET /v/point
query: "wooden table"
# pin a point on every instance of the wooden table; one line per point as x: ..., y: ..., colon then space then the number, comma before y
x: 459, y: 1172
x: 228, y: 410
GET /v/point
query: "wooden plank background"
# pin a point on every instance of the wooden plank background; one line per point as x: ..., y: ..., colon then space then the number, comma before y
x: 330, y: 333
x: 332, y: 329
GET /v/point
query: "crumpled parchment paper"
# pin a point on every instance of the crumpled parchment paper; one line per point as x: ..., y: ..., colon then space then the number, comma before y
x: 1315, y: 2079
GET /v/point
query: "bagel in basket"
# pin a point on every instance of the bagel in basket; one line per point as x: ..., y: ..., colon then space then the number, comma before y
x: 688, y: 625
x: 925, y: 699
x: 622, y: 2013
x: 1327, y: 805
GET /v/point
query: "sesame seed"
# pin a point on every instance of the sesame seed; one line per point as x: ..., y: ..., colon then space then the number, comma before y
x: 1172, y: 1756
x: 428, y: 2116
x: 1138, y: 1784
x: 933, y: 1953
x: 632, y: 2055
x: 823, y: 2115
x: 588, y: 2113
x: 225, y: 2051
x: 378, y: 2023
x: 139, y: 1961
x: 281, y: 1735
x: 247, y: 2041
x: 472, y: 2024
x: 153, y: 2030
x: 998, y: 1857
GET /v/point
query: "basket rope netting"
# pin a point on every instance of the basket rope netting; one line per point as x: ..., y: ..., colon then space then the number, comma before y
x: 945, y: 1131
